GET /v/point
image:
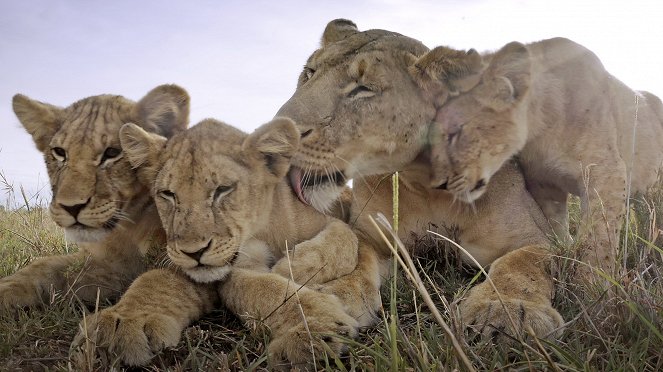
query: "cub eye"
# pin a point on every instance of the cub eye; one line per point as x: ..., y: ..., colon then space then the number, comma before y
x: 361, y: 91
x: 453, y: 137
x: 222, y: 191
x: 59, y: 153
x: 110, y: 153
x: 167, y: 194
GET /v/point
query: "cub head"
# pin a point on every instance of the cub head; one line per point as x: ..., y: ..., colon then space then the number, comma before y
x: 94, y: 186
x: 478, y: 131
x: 364, y: 102
x: 213, y: 186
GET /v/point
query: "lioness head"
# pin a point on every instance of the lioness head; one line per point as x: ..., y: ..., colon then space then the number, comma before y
x: 212, y: 185
x: 478, y: 131
x: 94, y: 187
x: 364, y: 103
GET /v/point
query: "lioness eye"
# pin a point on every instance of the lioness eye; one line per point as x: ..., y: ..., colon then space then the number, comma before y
x: 361, y: 91
x: 111, y: 153
x: 167, y: 194
x: 59, y: 153
x: 308, y: 72
x: 222, y: 191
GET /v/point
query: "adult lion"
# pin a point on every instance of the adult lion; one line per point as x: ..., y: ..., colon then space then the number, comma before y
x: 363, y: 105
x: 97, y: 197
x: 576, y: 129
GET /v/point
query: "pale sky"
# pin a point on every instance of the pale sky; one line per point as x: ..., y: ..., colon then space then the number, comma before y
x: 240, y: 60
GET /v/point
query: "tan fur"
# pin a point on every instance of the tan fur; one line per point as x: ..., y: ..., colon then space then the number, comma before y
x: 572, y: 125
x: 225, y: 203
x: 118, y: 231
x: 363, y: 106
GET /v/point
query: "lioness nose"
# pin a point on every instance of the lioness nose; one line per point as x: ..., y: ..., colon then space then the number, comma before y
x: 75, y: 209
x: 199, y: 253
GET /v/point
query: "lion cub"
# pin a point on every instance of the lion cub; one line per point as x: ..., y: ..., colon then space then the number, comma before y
x: 227, y: 209
x: 217, y: 189
x: 97, y: 199
x: 575, y: 128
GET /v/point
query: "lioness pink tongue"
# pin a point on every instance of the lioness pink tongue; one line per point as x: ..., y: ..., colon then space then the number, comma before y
x: 296, y: 182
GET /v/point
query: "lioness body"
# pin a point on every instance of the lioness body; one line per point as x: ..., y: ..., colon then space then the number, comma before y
x: 576, y: 129
x: 228, y: 211
x: 97, y: 198
x: 364, y: 104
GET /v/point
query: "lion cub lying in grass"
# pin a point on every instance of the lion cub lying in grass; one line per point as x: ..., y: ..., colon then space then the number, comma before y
x: 227, y: 209
x: 575, y: 128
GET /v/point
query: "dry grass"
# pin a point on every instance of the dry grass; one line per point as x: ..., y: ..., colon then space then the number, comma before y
x: 624, y: 333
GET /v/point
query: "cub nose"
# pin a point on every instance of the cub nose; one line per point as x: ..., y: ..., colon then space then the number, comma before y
x: 199, y: 253
x: 75, y: 209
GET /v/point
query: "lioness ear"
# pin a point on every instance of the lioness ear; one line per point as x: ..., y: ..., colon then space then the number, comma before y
x: 444, y: 71
x: 507, y: 77
x: 273, y: 144
x: 338, y: 30
x: 41, y: 120
x: 164, y: 110
x: 142, y: 150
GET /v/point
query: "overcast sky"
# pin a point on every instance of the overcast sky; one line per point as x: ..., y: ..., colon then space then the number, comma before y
x: 240, y: 60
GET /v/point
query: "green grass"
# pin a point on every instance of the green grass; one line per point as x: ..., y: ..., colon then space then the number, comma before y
x: 605, y: 333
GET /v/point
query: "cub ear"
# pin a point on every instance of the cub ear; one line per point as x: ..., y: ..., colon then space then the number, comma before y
x: 444, y: 71
x: 273, y: 144
x: 507, y: 77
x: 338, y: 30
x: 142, y: 150
x: 41, y: 120
x: 164, y: 110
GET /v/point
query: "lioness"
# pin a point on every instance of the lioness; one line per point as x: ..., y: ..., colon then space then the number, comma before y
x: 227, y: 209
x: 363, y: 106
x: 97, y: 197
x: 576, y: 129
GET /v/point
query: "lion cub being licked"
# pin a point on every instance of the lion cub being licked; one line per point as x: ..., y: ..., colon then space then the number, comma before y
x: 97, y: 198
x: 227, y: 209
x: 363, y: 105
x: 575, y: 128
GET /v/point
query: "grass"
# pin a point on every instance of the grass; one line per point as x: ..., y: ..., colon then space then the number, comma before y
x: 604, y: 333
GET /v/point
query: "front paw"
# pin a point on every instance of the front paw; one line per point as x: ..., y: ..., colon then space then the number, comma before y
x: 120, y: 336
x: 15, y: 294
x: 298, y: 268
x: 323, y: 334
x: 511, y: 318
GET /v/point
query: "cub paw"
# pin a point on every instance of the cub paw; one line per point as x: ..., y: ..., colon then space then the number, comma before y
x: 15, y: 295
x: 301, y: 269
x: 132, y: 339
x: 323, y: 334
x: 494, y: 319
